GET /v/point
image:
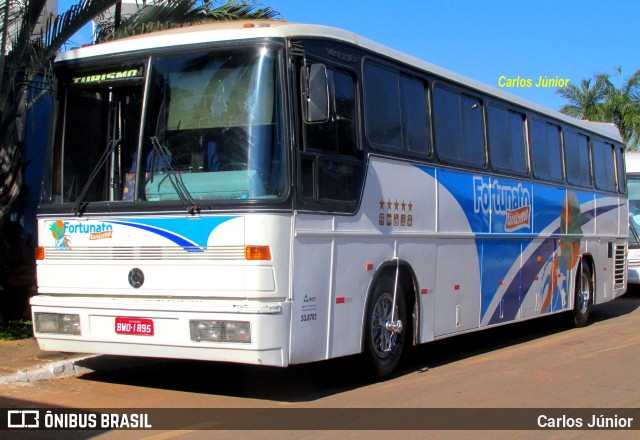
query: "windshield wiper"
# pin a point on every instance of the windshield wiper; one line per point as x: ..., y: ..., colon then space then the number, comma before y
x: 175, y: 179
x: 80, y: 206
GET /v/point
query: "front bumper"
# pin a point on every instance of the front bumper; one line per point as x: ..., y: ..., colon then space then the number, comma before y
x: 269, y: 323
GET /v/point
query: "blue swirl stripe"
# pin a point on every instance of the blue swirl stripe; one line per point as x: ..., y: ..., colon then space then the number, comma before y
x: 191, y: 235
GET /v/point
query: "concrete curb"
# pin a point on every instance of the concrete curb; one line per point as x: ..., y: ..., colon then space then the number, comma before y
x: 79, y: 366
x: 51, y: 370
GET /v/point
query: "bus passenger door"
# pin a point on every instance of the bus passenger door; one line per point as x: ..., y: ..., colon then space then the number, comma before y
x: 329, y: 173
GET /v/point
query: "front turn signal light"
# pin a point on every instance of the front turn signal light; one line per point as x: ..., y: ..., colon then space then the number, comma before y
x: 257, y: 253
x: 40, y: 253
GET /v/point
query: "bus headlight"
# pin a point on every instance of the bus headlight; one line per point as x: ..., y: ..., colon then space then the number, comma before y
x: 65, y: 324
x: 220, y: 331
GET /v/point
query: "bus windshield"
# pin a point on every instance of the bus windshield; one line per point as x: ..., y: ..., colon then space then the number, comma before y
x: 199, y: 126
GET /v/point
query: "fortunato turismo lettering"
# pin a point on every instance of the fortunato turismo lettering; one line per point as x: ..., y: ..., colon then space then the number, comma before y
x: 512, y: 201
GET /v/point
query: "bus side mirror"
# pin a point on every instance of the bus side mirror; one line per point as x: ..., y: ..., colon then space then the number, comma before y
x: 316, y: 93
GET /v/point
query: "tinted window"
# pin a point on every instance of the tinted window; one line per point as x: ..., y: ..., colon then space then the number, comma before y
x: 458, y: 127
x: 414, y: 115
x: 507, y: 140
x: 383, y: 107
x: 576, y: 148
x: 546, y: 150
x: 622, y: 185
x: 396, y: 110
x: 604, y: 165
x: 346, y: 119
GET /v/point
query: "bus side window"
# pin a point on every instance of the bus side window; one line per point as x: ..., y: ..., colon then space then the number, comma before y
x: 622, y: 182
x: 546, y: 150
x: 396, y: 116
x: 507, y: 140
x: 603, y: 162
x: 576, y: 147
x: 458, y: 127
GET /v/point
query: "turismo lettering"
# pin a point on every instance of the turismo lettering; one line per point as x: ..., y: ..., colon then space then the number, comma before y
x: 123, y: 74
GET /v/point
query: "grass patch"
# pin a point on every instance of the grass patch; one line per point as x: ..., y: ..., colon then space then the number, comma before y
x: 12, y: 330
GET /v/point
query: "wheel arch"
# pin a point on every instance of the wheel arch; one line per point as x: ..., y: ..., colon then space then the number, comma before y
x: 407, y: 278
x: 588, y: 259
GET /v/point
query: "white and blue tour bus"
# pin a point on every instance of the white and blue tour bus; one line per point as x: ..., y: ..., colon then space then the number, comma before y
x: 276, y: 193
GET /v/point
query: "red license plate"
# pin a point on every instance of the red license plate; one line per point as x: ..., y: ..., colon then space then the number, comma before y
x: 134, y: 326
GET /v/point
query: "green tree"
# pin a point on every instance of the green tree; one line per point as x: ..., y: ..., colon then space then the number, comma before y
x: 586, y: 101
x: 598, y: 99
x: 26, y: 54
x: 622, y: 107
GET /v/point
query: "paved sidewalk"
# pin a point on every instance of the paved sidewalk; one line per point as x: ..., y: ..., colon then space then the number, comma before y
x: 23, y: 361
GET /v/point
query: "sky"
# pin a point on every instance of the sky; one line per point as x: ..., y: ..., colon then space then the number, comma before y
x: 492, y: 41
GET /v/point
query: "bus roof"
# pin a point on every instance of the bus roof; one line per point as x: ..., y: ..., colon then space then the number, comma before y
x: 240, y: 30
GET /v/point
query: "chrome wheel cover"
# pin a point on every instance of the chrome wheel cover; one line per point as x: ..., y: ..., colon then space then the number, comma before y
x: 584, y: 295
x: 383, y: 335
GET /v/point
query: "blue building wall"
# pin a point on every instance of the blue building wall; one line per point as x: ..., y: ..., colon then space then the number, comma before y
x: 37, y: 129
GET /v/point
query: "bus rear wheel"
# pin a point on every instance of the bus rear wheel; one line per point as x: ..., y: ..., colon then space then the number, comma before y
x: 385, y: 329
x: 583, y: 296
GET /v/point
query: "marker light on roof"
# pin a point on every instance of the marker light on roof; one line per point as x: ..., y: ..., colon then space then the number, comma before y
x: 252, y: 25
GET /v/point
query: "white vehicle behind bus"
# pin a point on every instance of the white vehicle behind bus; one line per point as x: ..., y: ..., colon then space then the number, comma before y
x: 632, y: 162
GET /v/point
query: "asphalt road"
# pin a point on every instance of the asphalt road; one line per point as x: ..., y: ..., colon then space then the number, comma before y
x: 540, y: 364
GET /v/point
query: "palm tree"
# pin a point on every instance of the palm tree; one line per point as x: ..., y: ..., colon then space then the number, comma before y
x: 29, y: 55
x: 586, y: 102
x: 30, y: 38
x: 622, y: 107
x: 604, y: 102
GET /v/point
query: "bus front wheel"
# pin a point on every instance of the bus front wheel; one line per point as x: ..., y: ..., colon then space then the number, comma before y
x: 583, y: 296
x: 385, y: 328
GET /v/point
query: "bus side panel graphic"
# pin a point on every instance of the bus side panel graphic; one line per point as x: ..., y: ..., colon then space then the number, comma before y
x: 528, y: 239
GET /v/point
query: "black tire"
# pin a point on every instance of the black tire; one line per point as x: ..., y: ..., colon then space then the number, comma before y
x: 583, y: 298
x: 383, y: 347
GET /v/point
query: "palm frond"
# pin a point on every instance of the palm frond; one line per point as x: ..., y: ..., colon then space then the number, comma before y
x: 171, y: 14
x: 62, y: 27
x: 32, y: 12
x: 15, y: 12
x: 587, y: 100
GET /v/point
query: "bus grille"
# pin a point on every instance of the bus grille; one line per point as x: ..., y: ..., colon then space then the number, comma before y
x: 128, y: 253
x: 619, y: 272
